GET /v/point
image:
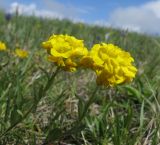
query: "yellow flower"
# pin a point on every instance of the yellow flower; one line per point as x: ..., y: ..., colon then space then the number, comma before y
x: 2, y: 46
x: 111, y: 64
x: 21, y: 53
x: 66, y: 51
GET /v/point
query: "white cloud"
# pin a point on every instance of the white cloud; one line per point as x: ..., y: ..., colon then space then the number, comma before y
x: 67, y: 10
x: 32, y: 9
x: 53, y: 10
x: 144, y: 18
x: 154, y: 6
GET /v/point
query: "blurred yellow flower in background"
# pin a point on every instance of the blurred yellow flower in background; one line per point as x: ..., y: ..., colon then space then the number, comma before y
x: 3, y: 46
x: 66, y: 51
x: 21, y: 53
x: 111, y: 64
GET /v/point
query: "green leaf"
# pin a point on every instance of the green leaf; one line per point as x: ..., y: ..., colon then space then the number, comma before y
x: 133, y: 91
x: 81, y: 107
x: 142, y: 115
x: 15, y: 116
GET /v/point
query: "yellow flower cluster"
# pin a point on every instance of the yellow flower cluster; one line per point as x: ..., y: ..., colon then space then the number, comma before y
x: 66, y: 51
x: 21, y: 53
x: 2, y: 46
x: 111, y: 64
x: 18, y: 52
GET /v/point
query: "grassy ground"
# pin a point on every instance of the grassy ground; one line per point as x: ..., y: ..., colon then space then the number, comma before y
x: 31, y: 113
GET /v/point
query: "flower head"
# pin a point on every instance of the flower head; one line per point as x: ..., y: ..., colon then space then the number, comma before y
x: 2, y: 46
x: 21, y: 53
x: 66, y: 51
x: 111, y: 64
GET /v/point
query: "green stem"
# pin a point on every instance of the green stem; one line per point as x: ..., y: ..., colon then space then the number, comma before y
x: 88, y: 103
x: 50, y: 81
x: 76, y: 127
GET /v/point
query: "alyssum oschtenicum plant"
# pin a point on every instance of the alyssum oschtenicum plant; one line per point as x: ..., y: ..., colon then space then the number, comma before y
x: 66, y: 51
x: 3, y: 46
x: 21, y: 53
x: 112, y: 65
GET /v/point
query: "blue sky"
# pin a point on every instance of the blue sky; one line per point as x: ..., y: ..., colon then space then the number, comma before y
x: 137, y: 15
